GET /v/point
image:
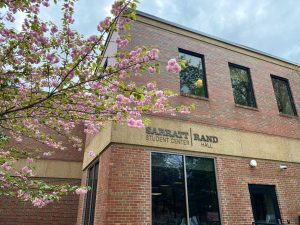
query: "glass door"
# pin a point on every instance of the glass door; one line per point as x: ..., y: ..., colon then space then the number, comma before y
x: 184, y: 190
x: 264, y: 204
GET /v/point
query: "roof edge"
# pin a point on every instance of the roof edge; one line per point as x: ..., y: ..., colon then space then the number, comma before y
x: 167, y: 22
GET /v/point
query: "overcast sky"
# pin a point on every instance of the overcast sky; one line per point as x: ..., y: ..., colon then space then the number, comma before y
x: 272, y: 26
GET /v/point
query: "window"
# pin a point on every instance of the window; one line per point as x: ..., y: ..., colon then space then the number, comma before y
x: 283, y: 96
x: 192, y: 78
x: 242, y: 85
x: 183, y: 187
x: 105, y: 64
x: 91, y: 195
x: 104, y: 67
x: 264, y: 204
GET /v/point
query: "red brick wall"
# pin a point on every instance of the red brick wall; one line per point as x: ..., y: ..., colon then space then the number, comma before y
x: 123, y: 192
x: 220, y: 110
x: 124, y: 187
x: 123, y: 195
x: 64, y: 212
x: 234, y: 175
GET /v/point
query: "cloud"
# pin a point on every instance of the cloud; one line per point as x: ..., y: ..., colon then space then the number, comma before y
x: 19, y: 21
x: 294, y: 52
x: 267, y: 25
x: 270, y: 26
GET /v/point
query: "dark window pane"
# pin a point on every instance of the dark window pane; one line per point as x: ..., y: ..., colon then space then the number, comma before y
x: 264, y: 204
x: 242, y: 86
x: 91, y: 195
x: 168, y: 190
x: 283, y: 96
x: 192, y: 78
x: 202, y: 191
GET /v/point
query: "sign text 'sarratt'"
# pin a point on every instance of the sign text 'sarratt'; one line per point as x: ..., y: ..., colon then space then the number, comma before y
x: 167, y: 133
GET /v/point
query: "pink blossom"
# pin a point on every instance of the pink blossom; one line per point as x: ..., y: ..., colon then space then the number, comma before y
x: 90, y: 127
x: 173, y: 66
x: 53, y: 29
x: 44, y: 27
x: 105, y: 24
x: 120, y: 98
x: 133, y: 54
x: 46, y: 3
x: 20, y: 193
x: 52, y: 58
x: 5, y: 32
x: 151, y: 69
x: 80, y: 191
x: 71, y: 74
x: 122, y: 43
x: 159, y: 93
x: 40, y: 202
x: 47, y: 154
x: 146, y: 59
x: 18, y: 139
x: 92, y: 154
x: 123, y: 75
x: 150, y: 86
x: 172, y: 62
x: 29, y: 160
x: 27, y: 170
x: 135, y: 123
x: 155, y: 53
x: 6, y: 166
x: 116, y: 8
x: 10, y: 17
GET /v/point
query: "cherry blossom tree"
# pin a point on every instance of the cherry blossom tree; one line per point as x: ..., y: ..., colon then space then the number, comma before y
x: 53, y: 77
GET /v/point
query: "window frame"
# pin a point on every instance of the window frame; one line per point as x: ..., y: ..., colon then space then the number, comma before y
x: 185, y: 180
x: 201, y: 56
x: 289, y: 93
x: 88, y: 216
x: 250, y: 81
x: 264, y: 188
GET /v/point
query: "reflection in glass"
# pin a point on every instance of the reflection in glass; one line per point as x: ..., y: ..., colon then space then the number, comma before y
x: 192, y: 80
x: 283, y: 96
x: 202, y: 191
x: 168, y: 190
x: 242, y: 87
x: 264, y: 204
x: 92, y: 180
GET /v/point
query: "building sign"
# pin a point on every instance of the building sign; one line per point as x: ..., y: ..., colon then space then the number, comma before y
x: 179, y: 137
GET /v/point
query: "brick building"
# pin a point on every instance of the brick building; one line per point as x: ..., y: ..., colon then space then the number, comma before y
x: 234, y: 161
x: 197, y: 166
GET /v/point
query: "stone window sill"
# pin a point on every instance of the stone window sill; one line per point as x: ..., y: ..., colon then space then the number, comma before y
x: 289, y: 116
x: 247, y: 107
x: 194, y: 96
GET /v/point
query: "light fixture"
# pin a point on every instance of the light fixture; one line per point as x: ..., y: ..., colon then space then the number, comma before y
x: 253, y: 163
x: 156, y: 194
x: 177, y: 182
x: 283, y: 167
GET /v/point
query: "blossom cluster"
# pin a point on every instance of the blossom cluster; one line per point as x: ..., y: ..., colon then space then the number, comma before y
x: 54, y: 79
